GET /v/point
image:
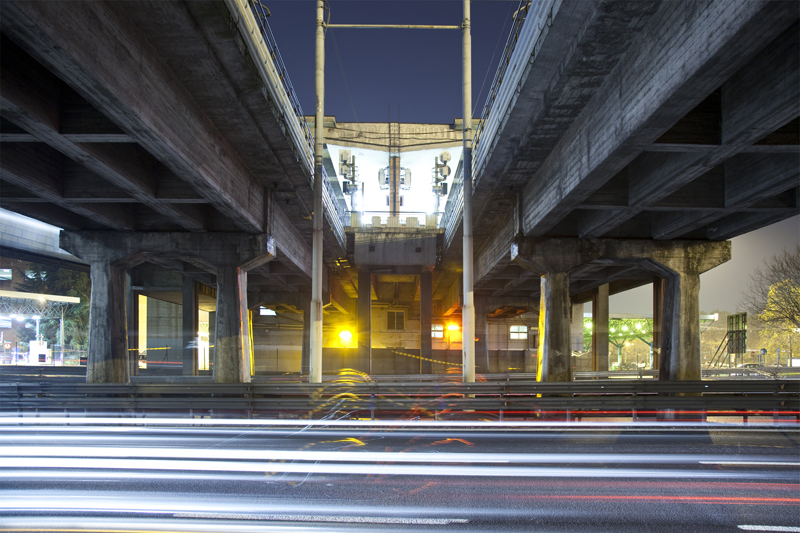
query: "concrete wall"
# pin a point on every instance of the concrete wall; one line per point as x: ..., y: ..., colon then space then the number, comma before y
x: 164, y: 330
x: 403, y: 247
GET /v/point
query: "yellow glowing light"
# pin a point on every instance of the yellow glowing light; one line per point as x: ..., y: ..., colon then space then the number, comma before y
x: 345, y: 336
x: 452, y: 327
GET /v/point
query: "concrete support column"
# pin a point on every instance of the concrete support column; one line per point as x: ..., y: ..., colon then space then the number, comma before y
x: 190, y: 327
x: 600, y: 329
x: 555, y: 362
x: 425, y: 314
x: 107, y: 360
x: 576, y: 328
x: 658, y: 319
x: 305, y: 356
x: 680, y: 353
x: 212, y: 337
x: 365, y: 316
x: 132, y: 325
x: 481, y: 333
x: 680, y: 263
x: 231, y: 361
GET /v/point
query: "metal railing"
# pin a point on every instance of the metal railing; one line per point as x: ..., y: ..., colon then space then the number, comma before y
x: 368, y: 219
x: 478, y: 150
x: 392, y: 399
x: 454, y: 206
x: 524, y: 40
x: 252, y: 19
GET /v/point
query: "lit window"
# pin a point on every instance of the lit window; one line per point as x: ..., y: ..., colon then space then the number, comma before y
x: 437, y: 331
x: 263, y: 311
x: 518, y: 332
x: 5, y: 274
x: 395, y: 320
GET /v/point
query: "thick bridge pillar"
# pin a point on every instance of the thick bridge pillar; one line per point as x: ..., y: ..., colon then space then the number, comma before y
x: 365, y: 315
x: 680, y: 263
x: 232, y: 354
x: 481, y: 333
x: 228, y: 255
x: 600, y: 329
x: 680, y: 355
x: 554, y: 354
x: 107, y: 360
x: 305, y: 355
x: 658, y: 321
x: 190, y: 327
x: 425, y: 315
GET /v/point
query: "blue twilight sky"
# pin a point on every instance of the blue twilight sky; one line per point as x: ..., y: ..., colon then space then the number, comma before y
x: 369, y: 72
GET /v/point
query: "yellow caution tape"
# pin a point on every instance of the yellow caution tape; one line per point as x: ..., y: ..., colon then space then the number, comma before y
x: 426, y: 358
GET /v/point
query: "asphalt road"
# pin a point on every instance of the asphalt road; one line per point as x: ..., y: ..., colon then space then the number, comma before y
x: 210, y: 475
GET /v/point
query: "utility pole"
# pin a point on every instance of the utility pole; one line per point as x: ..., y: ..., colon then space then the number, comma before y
x: 468, y: 306
x: 315, y: 363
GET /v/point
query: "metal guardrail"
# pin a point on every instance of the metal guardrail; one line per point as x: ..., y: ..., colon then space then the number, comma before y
x: 607, y: 398
x: 496, y: 93
x: 251, y: 17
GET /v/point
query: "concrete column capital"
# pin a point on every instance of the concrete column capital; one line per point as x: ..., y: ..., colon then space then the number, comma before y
x: 542, y: 255
x: 210, y: 251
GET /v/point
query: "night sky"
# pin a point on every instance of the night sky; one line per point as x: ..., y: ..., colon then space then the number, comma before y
x: 418, y: 70
x: 369, y: 71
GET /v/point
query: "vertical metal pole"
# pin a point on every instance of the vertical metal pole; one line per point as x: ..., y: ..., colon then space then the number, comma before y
x: 61, y: 334
x: 468, y: 307
x: 315, y: 364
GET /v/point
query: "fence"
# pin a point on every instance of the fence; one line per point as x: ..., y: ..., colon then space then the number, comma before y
x: 520, y: 399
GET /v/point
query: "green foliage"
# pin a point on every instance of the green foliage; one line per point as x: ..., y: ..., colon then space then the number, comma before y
x: 622, y: 331
x: 46, y: 279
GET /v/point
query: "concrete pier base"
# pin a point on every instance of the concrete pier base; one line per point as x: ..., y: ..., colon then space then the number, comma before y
x: 107, y: 360
x: 554, y: 354
x: 600, y: 329
x: 678, y: 263
x: 365, y: 316
x: 231, y: 358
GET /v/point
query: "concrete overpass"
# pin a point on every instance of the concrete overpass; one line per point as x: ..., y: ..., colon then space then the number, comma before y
x: 624, y: 142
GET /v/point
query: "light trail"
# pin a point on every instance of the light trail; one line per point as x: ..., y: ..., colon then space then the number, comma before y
x: 12, y: 421
x: 388, y: 457
x: 428, y: 470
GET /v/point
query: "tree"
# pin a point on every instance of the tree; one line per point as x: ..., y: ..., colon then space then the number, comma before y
x: 46, y: 279
x: 774, y: 292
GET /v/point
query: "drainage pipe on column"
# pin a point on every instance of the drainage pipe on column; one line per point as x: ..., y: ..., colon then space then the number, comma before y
x: 468, y: 307
x: 315, y: 362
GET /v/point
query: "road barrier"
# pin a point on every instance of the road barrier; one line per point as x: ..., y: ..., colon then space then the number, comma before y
x: 480, y: 400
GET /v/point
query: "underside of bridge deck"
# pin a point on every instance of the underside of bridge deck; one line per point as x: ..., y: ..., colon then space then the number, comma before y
x: 639, y: 136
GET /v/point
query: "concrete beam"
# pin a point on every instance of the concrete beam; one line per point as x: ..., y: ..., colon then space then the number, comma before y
x: 89, y: 45
x: 749, y: 179
x: 757, y: 100
x: 21, y: 103
x: 689, y: 56
x: 37, y: 168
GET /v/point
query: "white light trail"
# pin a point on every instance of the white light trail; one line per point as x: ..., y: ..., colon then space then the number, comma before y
x: 428, y: 470
x: 365, y: 457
